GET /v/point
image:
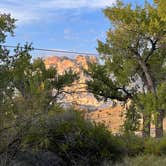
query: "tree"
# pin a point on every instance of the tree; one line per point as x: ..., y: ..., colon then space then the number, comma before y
x: 132, y: 119
x: 38, y: 86
x: 134, y: 55
x: 28, y: 90
x: 7, y: 25
x: 161, y: 8
x: 35, y: 89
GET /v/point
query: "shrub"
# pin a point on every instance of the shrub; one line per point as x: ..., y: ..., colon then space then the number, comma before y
x: 151, y: 146
x: 143, y: 160
x: 156, y: 146
x: 133, y: 144
x: 77, y: 141
x: 161, y: 146
x: 74, y: 139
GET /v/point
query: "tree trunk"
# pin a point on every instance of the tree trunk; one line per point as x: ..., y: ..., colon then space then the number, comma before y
x: 149, y: 81
x: 160, y: 113
x: 146, y: 125
x: 159, y: 124
x: 151, y: 88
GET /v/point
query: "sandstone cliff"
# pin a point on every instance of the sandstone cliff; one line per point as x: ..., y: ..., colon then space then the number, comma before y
x: 96, y: 111
x: 80, y: 98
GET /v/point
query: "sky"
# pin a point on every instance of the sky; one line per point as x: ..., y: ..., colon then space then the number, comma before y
x: 73, y: 25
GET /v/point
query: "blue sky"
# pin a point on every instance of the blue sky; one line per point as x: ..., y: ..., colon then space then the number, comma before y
x: 59, y: 24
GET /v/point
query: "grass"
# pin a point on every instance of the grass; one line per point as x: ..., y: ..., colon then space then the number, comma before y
x: 141, y: 160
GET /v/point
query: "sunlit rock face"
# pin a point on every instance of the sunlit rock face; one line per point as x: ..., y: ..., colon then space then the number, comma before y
x: 81, y: 99
x: 65, y: 63
x: 52, y: 61
x: 110, y: 116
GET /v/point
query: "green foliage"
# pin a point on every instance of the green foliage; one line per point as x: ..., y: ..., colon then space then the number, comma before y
x: 78, y: 141
x: 133, y: 57
x: 31, y: 97
x: 28, y: 90
x: 161, y: 147
x: 150, y: 103
x: 132, y: 119
x: 31, y: 119
x: 147, y: 102
x: 74, y: 139
x: 143, y: 160
x: 150, y: 146
x: 132, y: 144
x: 156, y: 146
x: 101, y: 85
x: 7, y: 25
x: 161, y: 8
x: 161, y: 93
x: 131, y: 41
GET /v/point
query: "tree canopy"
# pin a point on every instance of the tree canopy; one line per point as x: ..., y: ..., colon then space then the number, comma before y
x: 28, y: 90
x: 134, y: 56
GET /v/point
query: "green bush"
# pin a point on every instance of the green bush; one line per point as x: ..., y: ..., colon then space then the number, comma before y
x: 142, y: 160
x: 151, y: 146
x: 132, y: 144
x: 161, y: 146
x: 156, y: 146
x: 74, y: 139
x: 80, y: 142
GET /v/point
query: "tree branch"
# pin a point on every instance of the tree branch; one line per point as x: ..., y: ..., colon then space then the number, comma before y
x: 153, y: 48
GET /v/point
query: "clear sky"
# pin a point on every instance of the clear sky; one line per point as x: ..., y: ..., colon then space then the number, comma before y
x: 59, y: 24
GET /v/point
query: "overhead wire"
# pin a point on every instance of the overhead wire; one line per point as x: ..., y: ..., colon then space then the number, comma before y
x: 54, y: 50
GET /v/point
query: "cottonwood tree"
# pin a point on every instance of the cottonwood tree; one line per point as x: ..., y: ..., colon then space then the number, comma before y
x: 134, y: 53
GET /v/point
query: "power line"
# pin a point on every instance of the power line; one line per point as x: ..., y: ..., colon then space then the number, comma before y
x: 55, y: 50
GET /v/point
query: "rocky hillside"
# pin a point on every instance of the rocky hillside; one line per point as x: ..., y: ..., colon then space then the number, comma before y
x: 80, y: 98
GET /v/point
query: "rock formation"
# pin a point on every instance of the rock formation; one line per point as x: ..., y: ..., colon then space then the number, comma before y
x: 81, y: 99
